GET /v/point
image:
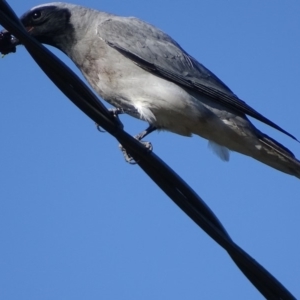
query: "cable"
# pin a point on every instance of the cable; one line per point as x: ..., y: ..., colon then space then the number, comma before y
x: 179, y: 192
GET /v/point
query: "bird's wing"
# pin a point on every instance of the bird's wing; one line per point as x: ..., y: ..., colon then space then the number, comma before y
x: 158, y: 53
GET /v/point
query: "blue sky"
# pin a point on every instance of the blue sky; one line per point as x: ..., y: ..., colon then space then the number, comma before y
x: 77, y: 222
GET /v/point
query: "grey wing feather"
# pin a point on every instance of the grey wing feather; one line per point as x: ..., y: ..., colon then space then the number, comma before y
x: 155, y: 51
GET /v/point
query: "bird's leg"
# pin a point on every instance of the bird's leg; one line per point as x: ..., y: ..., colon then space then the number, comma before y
x: 144, y: 133
x: 115, y: 112
x: 139, y: 137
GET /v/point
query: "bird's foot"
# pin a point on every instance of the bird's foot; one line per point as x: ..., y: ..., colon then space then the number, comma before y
x: 129, y: 158
x: 139, y: 137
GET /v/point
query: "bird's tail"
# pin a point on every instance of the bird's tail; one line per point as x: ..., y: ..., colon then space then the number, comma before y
x: 274, y: 154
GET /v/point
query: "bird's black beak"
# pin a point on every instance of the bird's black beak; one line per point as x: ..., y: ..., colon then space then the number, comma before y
x: 8, y: 42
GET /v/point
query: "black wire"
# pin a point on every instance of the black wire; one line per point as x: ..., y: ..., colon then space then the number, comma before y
x: 157, y: 170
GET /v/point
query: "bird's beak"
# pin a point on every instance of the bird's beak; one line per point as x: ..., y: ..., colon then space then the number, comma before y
x: 29, y: 28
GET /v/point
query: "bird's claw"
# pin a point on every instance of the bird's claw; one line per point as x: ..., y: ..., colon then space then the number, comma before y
x: 129, y: 158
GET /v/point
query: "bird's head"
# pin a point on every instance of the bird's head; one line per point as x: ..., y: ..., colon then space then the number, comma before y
x: 49, y: 24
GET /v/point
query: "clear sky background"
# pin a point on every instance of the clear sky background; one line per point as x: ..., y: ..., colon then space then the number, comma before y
x: 77, y: 222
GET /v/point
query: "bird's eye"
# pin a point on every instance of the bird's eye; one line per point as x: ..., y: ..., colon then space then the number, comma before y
x: 36, y: 15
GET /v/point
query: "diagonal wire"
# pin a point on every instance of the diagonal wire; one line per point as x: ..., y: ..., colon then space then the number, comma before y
x: 157, y: 170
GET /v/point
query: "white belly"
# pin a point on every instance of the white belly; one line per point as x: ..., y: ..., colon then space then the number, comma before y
x: 160, y: 102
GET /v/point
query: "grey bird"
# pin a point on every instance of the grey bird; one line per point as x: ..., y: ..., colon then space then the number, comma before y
x: 142, y: 71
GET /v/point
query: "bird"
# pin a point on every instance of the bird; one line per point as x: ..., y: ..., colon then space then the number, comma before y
x: 142, y: 71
